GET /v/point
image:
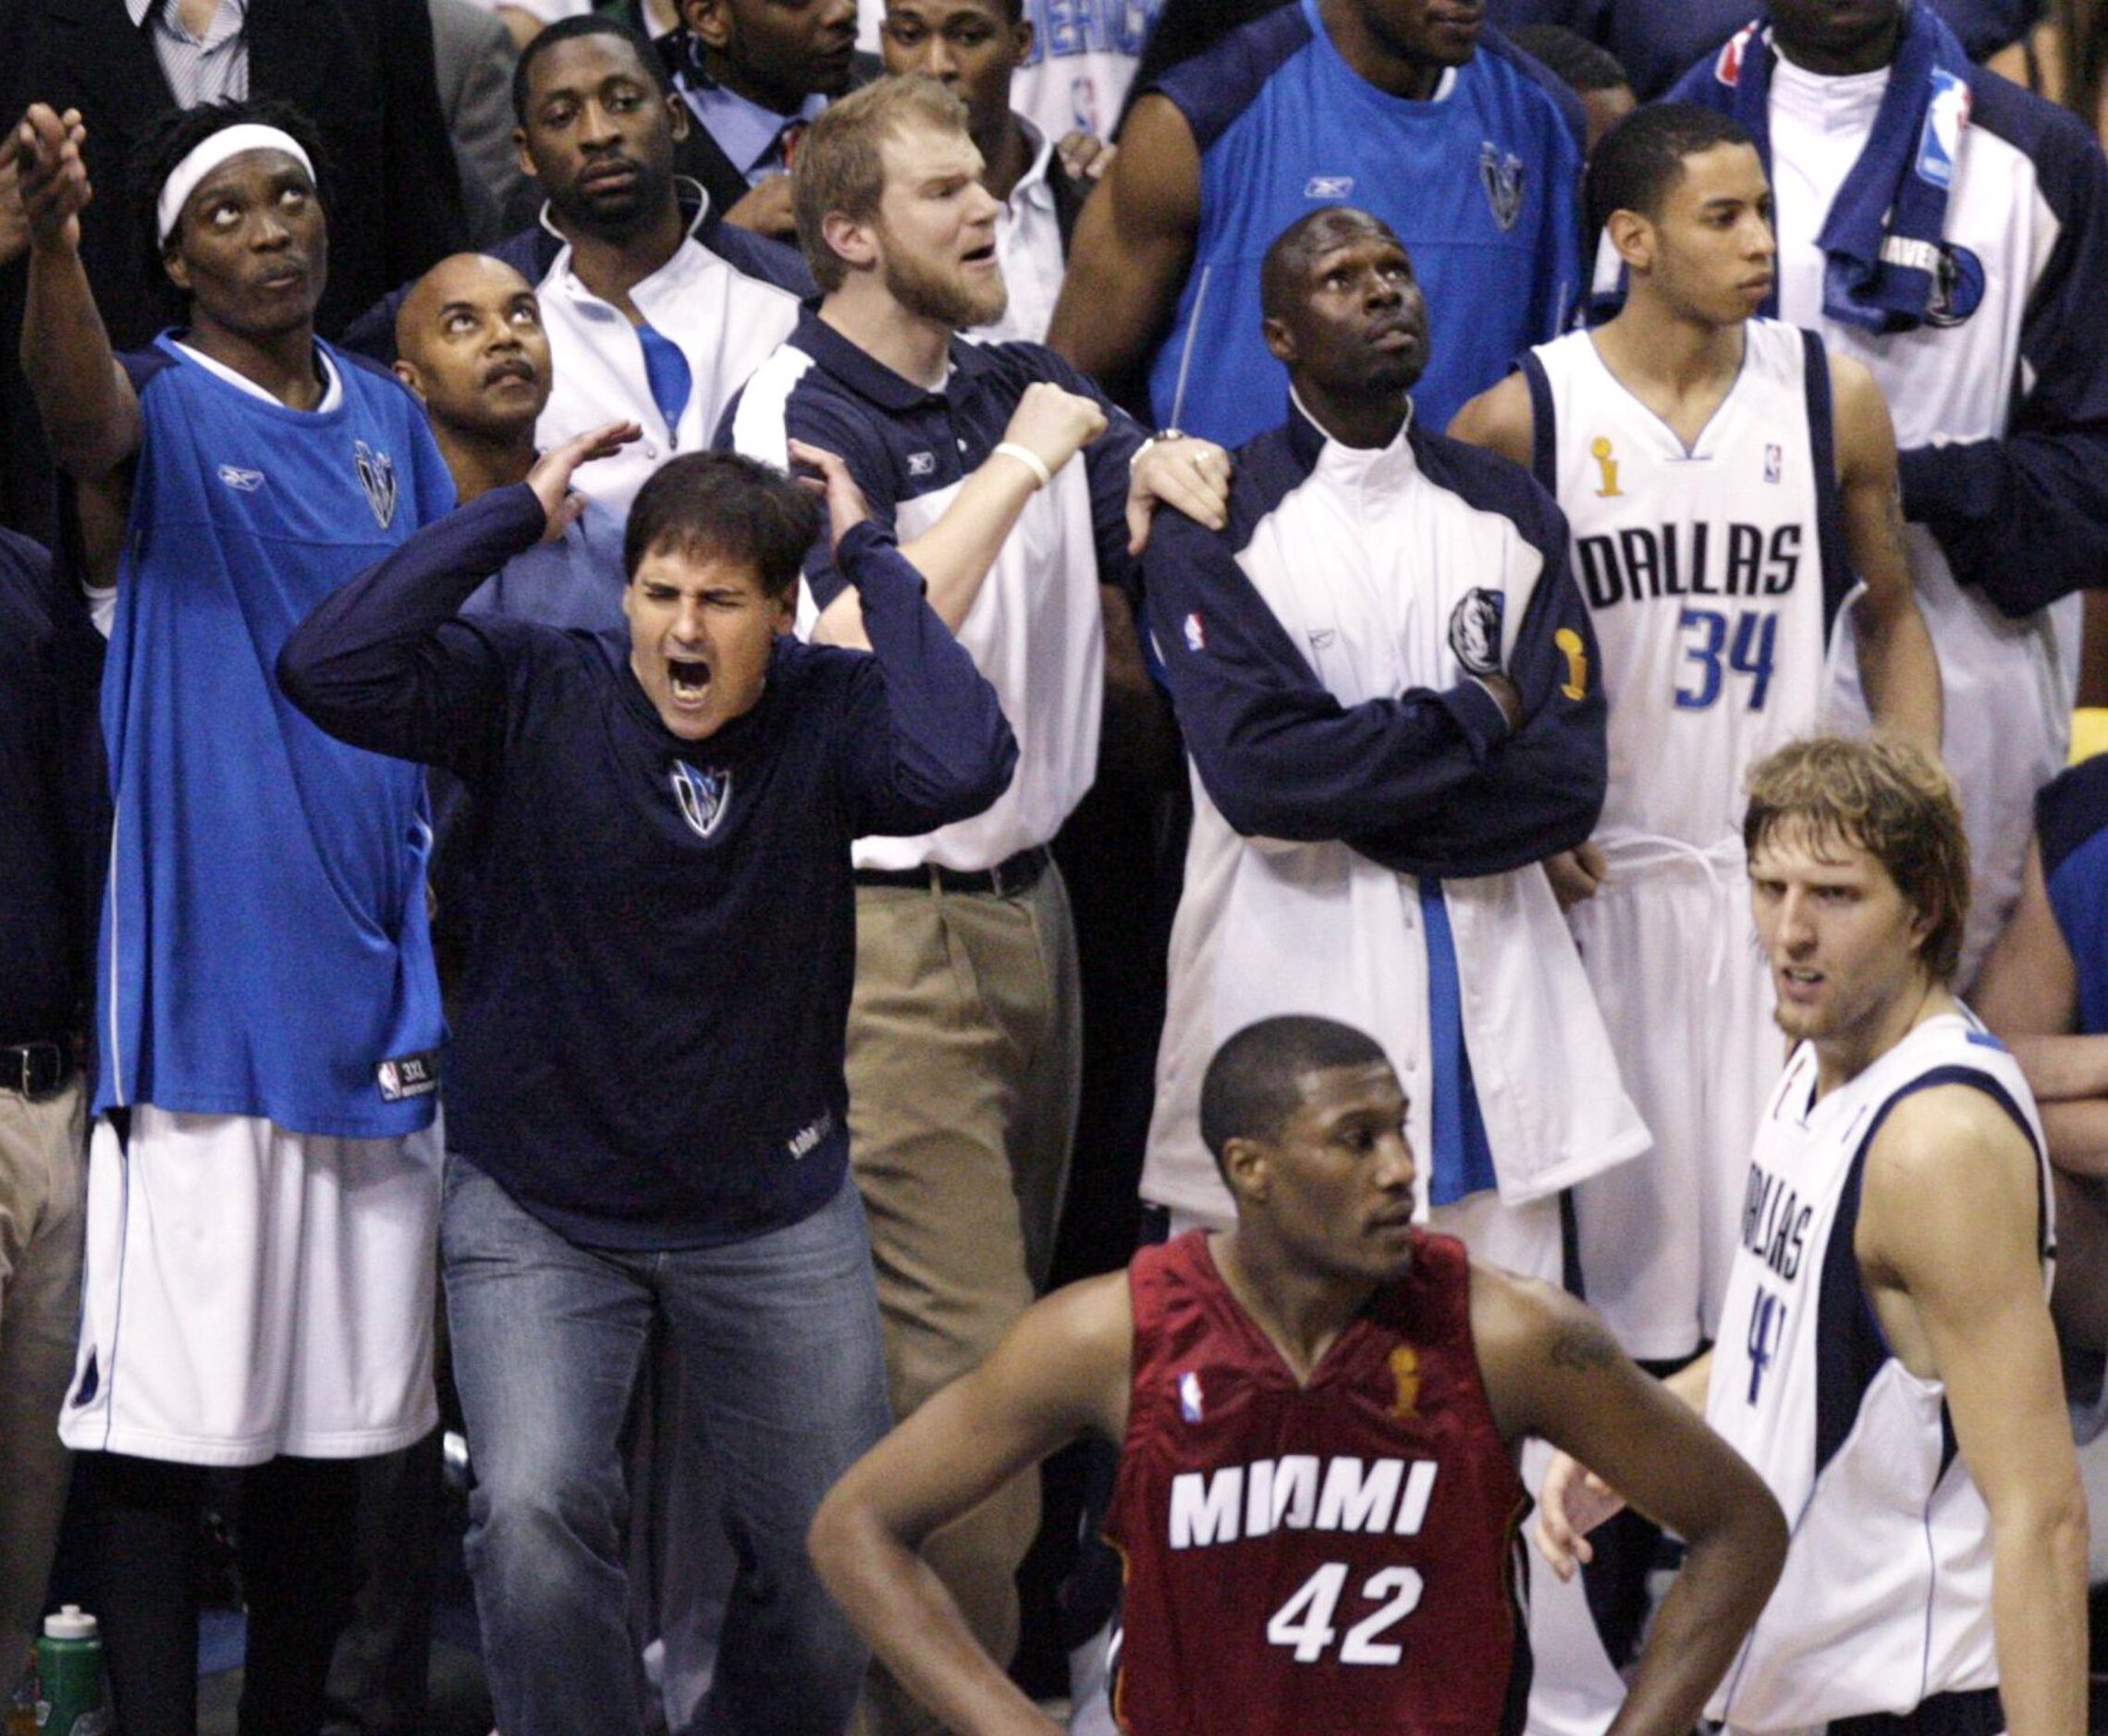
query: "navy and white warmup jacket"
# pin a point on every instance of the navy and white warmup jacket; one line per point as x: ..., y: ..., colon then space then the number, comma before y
x: 531, y: 253
x: 2000, y: 406
x: 1367, y: 828
x: 650, y: 1022
x: 51, y: 780
x: 722, y: 321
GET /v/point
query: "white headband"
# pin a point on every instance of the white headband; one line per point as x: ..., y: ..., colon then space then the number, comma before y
x: 210, y: 153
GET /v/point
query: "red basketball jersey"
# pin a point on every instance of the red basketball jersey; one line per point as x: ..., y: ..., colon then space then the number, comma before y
x: 1338, y: 1557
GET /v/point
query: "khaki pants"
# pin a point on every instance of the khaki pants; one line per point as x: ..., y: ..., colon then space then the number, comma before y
x: 964, y: 1061
x: 43, y: 1172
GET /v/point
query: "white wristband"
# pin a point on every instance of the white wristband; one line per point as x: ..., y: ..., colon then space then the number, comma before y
x: 1029, y: 458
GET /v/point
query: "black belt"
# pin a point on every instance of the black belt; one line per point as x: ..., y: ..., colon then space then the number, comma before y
x: 1972, y: 1712
x: 35, y: 1069
x: 1007, y: 879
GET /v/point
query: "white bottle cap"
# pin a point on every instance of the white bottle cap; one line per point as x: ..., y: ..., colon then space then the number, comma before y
x: 69, y: 1624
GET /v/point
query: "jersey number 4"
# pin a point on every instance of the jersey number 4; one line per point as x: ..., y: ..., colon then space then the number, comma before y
x: 1747, y: 652
x: 1304, y: 1621
x: 1767, y: 1327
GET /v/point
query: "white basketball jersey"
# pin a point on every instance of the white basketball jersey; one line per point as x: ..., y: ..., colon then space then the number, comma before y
x: 1708, y: 570
x: 1885, y: 1599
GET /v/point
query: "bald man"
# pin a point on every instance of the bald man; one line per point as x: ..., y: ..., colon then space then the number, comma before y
x: 469, y: 344
x: 1286, y: 660
x: 1385, y: 676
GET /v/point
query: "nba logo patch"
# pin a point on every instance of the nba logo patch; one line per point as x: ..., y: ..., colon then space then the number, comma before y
x: 1774, y: 462
x: 1084, y: 105
x: 1189, y: 1396
x: 377, y: 477
x: 1940, y: 143
x: 403, y: 1076
x: 1328, y: 187
x: 1727, y: 69
x: 1501, y: 173
x: 703, y: 796
x: 1196, y: 634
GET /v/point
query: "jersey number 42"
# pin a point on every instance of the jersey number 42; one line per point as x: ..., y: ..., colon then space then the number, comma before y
x: 1304, y: 1621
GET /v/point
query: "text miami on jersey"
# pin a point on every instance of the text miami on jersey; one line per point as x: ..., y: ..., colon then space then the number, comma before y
x: 1318, y: 1557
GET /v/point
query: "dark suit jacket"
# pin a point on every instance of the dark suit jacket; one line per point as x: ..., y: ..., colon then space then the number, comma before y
x: 361, y: 69
x: 699, y: 154
x: 472, y: 59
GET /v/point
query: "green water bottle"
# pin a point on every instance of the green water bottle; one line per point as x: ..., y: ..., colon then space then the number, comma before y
x: 73, y: 1696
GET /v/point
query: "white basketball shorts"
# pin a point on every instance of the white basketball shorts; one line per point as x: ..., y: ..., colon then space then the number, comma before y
x: 1671, y: 953
x: 251, y: 1291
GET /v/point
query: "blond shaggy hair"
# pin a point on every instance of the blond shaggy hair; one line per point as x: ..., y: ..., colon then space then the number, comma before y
x: 1887, y: 798
x: 841, y: 170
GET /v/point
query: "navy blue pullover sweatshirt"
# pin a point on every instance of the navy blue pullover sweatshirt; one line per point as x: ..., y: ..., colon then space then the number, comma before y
x: 650, y: 1021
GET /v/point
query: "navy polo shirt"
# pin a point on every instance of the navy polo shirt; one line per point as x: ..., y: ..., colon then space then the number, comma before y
x: 1034, y: 626
x: 902, y: 441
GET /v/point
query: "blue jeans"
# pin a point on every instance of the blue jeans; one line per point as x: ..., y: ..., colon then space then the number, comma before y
x: 779, y: 1333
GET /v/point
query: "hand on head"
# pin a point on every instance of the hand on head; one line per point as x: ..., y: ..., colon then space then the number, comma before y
x: 14, y: 224
x: 550, y: 478
x: 846, y: 504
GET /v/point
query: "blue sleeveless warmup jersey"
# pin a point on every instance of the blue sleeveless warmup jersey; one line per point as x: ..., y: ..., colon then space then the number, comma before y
x: 2071, y: 824
x: 1480, y: 184
x: 263, y: 947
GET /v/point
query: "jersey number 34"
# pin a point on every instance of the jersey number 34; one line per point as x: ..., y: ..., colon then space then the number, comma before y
x: 1304, y: 1621
x: 1713, y: 649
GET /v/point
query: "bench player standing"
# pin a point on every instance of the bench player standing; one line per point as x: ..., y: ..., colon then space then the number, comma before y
x: 1319, y: 1408
x: 1950, y: 230
x: 264, y: 1191
x: 1725, y: 481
